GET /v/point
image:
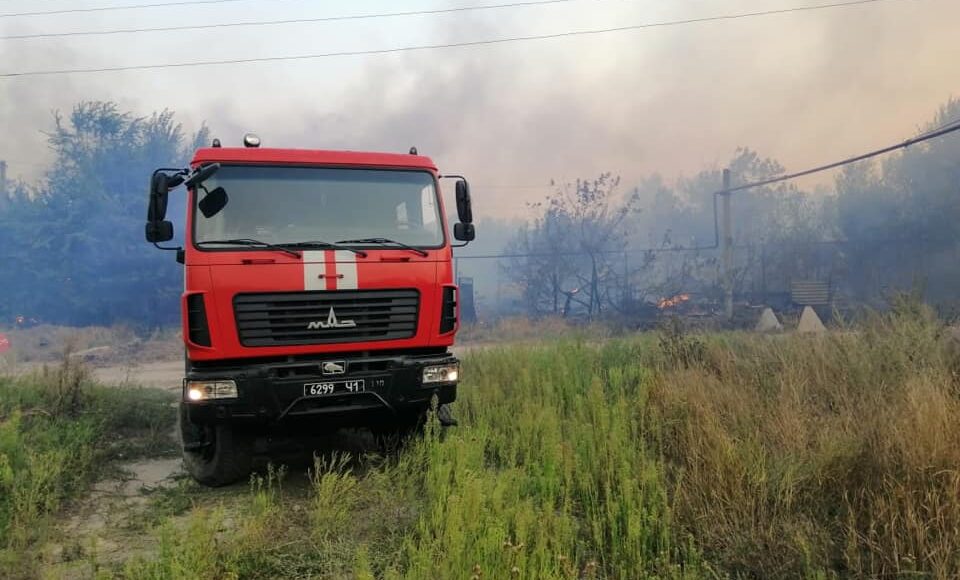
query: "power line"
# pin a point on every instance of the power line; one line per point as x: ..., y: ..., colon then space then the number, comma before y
x: 284, y: 22
x: 441, y: 46
x: 482, y: 186
x: 946, y: 129
x: 128, y: 7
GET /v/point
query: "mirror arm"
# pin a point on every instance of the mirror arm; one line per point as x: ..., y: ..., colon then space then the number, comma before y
x: 173, y: 171
x: 459, y: 245
x: 181, y: 254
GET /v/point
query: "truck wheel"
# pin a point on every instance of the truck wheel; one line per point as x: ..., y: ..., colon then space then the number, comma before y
x: 396, y: 431
x: 214, y: 455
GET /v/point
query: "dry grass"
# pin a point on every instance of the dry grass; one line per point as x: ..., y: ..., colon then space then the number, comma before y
x: 838, y: 455
x: 520, y: 329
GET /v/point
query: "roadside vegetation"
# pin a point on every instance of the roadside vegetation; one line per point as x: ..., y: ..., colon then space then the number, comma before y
x: 58, y: 433
x: 668, y: 455
x: 523, y: 330
x: 833, y: 456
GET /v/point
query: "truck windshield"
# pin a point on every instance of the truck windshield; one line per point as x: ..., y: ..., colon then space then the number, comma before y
x: 287, y: 205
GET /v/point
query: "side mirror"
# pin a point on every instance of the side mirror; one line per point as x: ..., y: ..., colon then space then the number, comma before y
x: 159, y: 194
x: 464, y: 232
x: 464, y: 207
x: 213, y: 202
x: 159, y: 231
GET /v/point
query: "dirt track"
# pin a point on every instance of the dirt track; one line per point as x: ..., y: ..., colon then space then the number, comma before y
x: 107, y: 518
x: 161, y: 375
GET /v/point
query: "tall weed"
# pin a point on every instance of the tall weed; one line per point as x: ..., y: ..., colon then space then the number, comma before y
x: 797, y: 456
x: 551, y: 479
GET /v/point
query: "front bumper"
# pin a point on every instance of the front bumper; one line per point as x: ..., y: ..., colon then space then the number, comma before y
x: 273, y: 392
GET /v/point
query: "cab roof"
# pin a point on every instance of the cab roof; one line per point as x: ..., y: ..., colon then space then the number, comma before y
x: 268, y: 156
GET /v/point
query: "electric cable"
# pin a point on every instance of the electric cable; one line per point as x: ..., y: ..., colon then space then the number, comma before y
x: 127, y: 7
x: 424, y: 47
x: 945, y: 129
x: 285, y: 22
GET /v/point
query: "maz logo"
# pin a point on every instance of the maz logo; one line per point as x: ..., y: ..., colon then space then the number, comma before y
x: 331, y: 322
x: 334, y: 367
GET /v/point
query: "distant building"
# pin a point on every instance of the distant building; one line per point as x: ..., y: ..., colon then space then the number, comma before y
x: 468, y: 307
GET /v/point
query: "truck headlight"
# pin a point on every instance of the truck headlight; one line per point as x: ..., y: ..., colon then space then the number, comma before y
x: 448, y: 373
x: 207, y: 390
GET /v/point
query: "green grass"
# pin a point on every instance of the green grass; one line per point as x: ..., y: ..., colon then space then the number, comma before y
x: 548, y: 478
x: 58, y: 433
x: 664, y: 455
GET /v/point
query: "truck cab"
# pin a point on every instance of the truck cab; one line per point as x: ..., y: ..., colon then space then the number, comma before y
x: 318, y: 294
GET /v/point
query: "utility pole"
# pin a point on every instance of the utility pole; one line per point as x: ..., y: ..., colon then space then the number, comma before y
x: 726, y: 239
x: 4, y: 196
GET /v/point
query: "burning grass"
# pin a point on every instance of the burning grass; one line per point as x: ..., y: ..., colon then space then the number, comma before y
x: 665, y: 303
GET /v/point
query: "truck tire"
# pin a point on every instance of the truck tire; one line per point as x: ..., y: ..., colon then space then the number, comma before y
x: 214, y: 455
x: 395, y: 432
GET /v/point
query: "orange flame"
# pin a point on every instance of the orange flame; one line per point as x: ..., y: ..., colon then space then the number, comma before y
x: 677, y: 300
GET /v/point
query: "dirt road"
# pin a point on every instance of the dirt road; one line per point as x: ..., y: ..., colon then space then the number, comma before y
x: 165, y: 375
x: 110, y: 523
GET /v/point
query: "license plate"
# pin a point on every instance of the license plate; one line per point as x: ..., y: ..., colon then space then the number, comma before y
x: 331, y: 387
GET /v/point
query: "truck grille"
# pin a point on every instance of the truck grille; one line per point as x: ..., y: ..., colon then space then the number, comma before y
x: 299, y: 318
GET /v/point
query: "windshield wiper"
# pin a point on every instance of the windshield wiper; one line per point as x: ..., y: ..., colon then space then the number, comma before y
x: 325, y: 245
x: 250, y: 243
x: 385, y: 241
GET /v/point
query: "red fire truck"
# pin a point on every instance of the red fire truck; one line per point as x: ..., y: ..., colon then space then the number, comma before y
x: 318, y: 294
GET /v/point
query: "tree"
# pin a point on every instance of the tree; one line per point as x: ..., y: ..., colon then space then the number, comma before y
x: 773, y: 228
x: 900, y: 218
x: 545, y: 269
x: 79, y: 253
x: 569, y: 249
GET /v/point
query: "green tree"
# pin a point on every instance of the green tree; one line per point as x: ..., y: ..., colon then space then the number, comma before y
x: 77, y: 255
x: 900, y: 218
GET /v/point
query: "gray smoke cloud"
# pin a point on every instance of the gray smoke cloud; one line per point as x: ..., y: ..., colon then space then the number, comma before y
x: 802, y: 88
x: 23, y: 114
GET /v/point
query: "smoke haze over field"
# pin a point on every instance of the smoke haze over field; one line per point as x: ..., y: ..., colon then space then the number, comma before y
x: 802, y: 88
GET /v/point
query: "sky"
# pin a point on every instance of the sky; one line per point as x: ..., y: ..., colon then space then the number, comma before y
x: 804, y: 88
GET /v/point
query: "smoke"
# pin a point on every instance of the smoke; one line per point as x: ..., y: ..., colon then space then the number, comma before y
x: 801, y: 88
x: 24, y: 107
